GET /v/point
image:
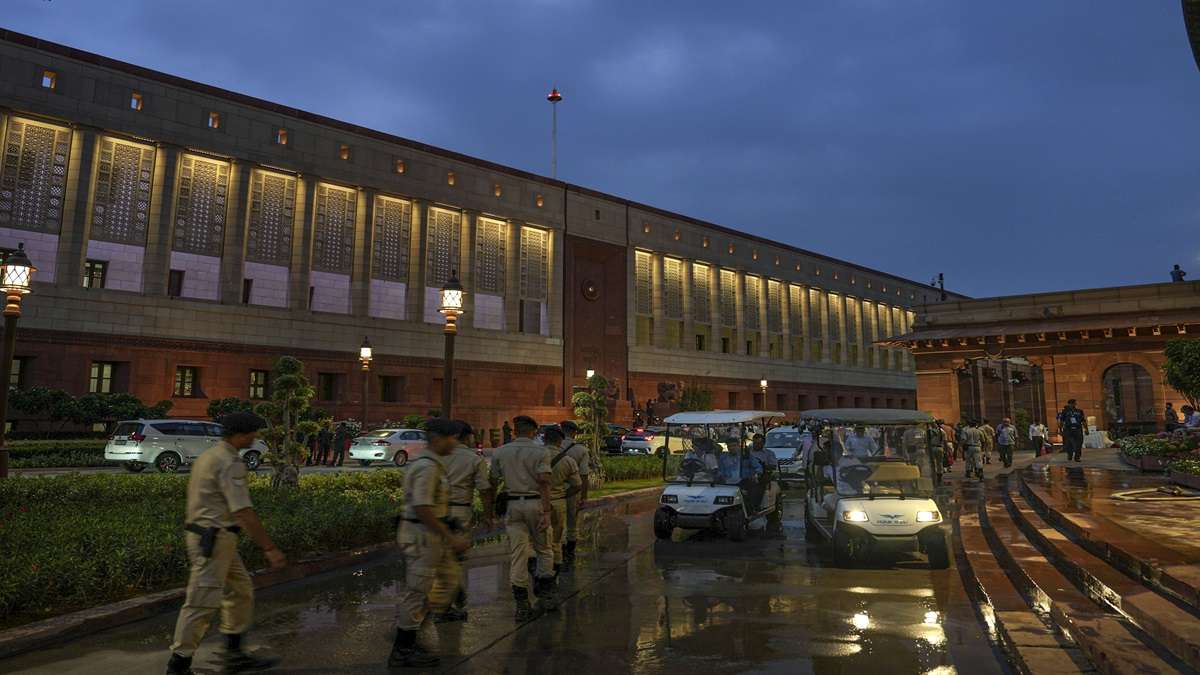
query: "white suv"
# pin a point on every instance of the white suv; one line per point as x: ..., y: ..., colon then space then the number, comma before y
x: 169, y: 444
x: 388, y: 445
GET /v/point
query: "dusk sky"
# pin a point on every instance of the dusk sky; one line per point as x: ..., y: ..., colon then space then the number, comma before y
x: 1019, y: 146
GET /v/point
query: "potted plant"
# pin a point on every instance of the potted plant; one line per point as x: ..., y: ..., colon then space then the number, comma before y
x: 1155, y: 452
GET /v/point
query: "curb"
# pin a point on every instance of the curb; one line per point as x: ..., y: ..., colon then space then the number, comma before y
x: 46, y: 632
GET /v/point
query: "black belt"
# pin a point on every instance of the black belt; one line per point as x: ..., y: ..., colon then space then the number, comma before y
x: 200, y: 530
x: 461, y: 504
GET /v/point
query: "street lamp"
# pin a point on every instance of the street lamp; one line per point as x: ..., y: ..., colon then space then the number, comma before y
x: 762, y: 384
x: 16, y: 273
x: 452, y: 308
x: 590, y: 374
x: 364, y: 356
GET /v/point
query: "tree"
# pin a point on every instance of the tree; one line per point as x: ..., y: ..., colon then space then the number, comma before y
x: 88, y: 410
x: 590, y: 406
x: 288, y: 431
x: 218, y: 408
x: 1182, y: 368
x: 695, y: 398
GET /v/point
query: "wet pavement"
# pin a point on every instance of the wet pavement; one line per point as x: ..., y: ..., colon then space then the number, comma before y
x: 694, y: 604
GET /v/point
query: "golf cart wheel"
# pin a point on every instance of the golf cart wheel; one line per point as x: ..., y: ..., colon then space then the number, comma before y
x: 134, y: 467
x: 843, y: 549
x: 167, y: 462
x: 775, y: 520
x: 401, y: 458
x: 664, y: 524
x: 252, y: 459
x: 364, y: 462
x: 939, y: 553
x: 811, y: 534
x: 735, y: 525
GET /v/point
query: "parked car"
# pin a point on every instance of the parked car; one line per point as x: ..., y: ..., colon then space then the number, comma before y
x: 788, y: 445
x: 169, y: 444
x: 388, y: 445
x: 637, y: 443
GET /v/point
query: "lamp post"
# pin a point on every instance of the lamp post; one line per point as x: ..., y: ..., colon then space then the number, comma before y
x: 16, y: 273
x: 554, y: 97
x: 590, y: 374
x: 762, y: 384
x: 452, y: 308
x: 364, y: 356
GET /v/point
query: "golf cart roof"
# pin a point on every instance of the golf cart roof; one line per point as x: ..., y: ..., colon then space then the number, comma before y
x: 721, y: 416
x: 870, y: 416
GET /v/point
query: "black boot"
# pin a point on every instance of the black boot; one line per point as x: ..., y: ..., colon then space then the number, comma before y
x: 179, y: 665
x: 406, y: 653
x: 569, y: 553
x: 531, y: 565
x: 521, y: 599
x: 547, y: 597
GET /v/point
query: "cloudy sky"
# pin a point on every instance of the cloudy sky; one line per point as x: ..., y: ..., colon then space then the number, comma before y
x: 1018, y: 146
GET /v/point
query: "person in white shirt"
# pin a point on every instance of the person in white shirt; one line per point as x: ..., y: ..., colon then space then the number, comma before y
x: 1037, y: 437
x: 860, y: 445
x: 1191, y: 417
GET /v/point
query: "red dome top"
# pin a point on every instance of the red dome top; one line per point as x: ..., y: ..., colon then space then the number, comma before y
x: 554, y: 96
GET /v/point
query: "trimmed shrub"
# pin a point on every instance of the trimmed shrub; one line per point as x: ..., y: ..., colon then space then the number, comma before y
x: 1159, y: 445
x: 64, y: 453
x: 629, y: 468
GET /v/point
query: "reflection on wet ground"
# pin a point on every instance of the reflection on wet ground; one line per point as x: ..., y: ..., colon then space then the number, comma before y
x: 695, y: 604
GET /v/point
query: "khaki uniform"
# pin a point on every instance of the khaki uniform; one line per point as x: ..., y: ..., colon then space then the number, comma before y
x: 564, y: 475
x: 466, y: 473
x: 519, y: 464
x: 989, y: 439
x: 431, y: 571
x: 582, y: 458
x: 216, y: 490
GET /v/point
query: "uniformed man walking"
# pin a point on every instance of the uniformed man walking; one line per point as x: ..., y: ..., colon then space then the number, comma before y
x: 582, y: 457
x: 218, y: 507
x: 564, y: 485
x: 988, y: 433
x: 466, y: 473
x: 428, y: 546
x: 972, y: 441
x: 1071, y: 424
x: 524, y: 467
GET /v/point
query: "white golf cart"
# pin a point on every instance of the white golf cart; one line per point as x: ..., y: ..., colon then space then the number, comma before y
x: 870, y: 485
x: 717, y: 485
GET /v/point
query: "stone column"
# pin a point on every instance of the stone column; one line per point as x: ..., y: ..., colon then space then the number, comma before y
x: 302, y: 236
x: 160, y: 226
x: 555, y: 292
x: 714, y: 308
x: 233, y: 257
x: 689, y: 324
x: 785, y: 320
x: 659, y: 337
x: 512, y: 278
x: 740, y: 302
x: 414, y: 301
x: 77, y: 204
x: 364, y: 235
x: 467, y: 222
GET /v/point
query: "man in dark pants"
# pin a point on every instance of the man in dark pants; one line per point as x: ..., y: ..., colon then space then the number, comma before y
x: 341, y: 439
x: 1071, y: 423
x: 324, y: 443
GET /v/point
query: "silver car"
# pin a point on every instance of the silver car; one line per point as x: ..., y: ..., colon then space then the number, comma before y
x: 169, y: 444
x: 637, y: 443
x: 388, y: 445
x: 787, y: 444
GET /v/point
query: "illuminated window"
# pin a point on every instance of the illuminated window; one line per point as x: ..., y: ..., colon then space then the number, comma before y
x: 135, y: 101
x: 646, y: 228
x: 706, y: 242
x: 678, y: 234
x: 16, y: 376
x: 497, y: 190
x: 214, y: 120
x: 731, y: 249
x: 281, y: 137
x: 258, y: 384
x: 344, y: 151
x: 101, y: 377
x: 399, y: 166
x: 450, y: 178
x: 49, y: 79
x: 187, y: 381
x: 94, y: 273
x: 539, y: 201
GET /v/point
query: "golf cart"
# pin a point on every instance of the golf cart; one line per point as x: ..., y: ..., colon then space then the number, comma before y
x: 870, y: 485
x: 717, y: 485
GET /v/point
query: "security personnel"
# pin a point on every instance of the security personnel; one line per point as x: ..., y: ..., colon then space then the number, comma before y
x: 565, y: 483
x: 218, y: 507
x: 988, y: 433
x: 466, y: 472
x: 428, y: 546
x: 582, y: 457
x: 1071, y: 423
x: 524, y: 467
x: 770, y: 470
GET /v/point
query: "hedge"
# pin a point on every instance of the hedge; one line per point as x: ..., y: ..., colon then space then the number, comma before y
x: 77, y: 541
x: 1159, y: 445
x: 629, y: 468
x: 57, y: 453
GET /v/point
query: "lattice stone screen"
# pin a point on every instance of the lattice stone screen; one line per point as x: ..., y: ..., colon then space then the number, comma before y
x: 272, y: 217
x: 393, y: 230
x: 796, y: 310
x: 33, y: 177
x: 701, y: 310
x: 333, y: 232
x: 491, y: 238
x: 672, y: 288
x: 443, y: 232
x: 535, y: 263
x: 752, y: 302
x: 121, y: 198
x: 201, y: 196
x: 774, y: 306
x: 727, y: 300
x: 643, y: 283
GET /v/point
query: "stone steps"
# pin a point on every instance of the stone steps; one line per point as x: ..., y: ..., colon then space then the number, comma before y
x: 1167, y: 624
x: 1164, y: 569
x: 1033, y: 646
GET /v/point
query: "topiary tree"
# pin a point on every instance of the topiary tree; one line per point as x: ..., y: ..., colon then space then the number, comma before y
x: 1182, y: 369
x: 590, y: 406
x: 288, y: 432
x: 220, y: 407
x: 695, y: 398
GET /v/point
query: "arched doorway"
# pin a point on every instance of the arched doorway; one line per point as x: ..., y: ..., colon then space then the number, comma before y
x: 1129, y: 399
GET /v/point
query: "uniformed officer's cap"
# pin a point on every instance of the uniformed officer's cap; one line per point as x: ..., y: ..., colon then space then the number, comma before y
x: 241, y: 423
x: 569, y: 427
x: 440, y: 426
x: 464, y: 429
x: 553, y: 433
x: 525, y: 421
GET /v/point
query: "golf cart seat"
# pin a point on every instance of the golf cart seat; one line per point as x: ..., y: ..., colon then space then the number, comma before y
x: 895, y: 472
